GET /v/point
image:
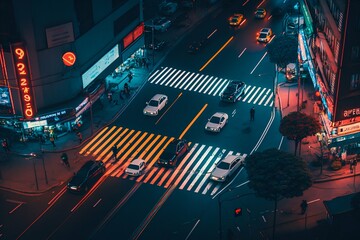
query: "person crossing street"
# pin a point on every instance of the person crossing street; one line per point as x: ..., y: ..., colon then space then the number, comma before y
x: 252, y: 114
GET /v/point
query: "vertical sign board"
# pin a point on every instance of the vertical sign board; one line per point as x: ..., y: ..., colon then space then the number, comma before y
x: 22, y: 69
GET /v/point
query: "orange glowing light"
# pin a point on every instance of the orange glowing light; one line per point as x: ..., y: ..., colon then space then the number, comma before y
x: 69, y: 59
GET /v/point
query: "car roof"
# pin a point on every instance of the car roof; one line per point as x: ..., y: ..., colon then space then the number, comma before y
x: 88, y: 164
x: 229, y: 158
x: 157, y: 96
x: 218, y: 114
x: 265, y: 30
x: 260, y: 10
x: 237, y: 15
x: 137, y: 161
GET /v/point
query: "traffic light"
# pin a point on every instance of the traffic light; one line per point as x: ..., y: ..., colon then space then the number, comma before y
x: 238, y: 212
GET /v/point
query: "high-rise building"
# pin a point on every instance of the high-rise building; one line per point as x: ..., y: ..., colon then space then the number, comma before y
x: 55, y: 56
x: 335, y: 50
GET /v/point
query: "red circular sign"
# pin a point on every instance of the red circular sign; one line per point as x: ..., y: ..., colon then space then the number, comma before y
x: 69, y: 58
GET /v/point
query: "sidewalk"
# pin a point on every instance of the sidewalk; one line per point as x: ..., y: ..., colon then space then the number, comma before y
x: 310, y: 147
x: 22, y: 173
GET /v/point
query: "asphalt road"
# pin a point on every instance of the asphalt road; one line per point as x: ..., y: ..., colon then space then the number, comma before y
x: 181, y: 203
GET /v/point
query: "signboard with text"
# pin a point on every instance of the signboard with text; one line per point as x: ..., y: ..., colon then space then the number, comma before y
x: 22, y: 70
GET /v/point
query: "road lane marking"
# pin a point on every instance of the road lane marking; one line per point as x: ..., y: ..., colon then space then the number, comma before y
x: 197, y: 222
x: 193, y: 121
x: 316, y: 200
x: 176, y: 99
x: 98, y: 201
x: 258, y: 62
x: 242, y: 53
x: 263, y: 218
x: 215, y: 55
x: 92, y: 141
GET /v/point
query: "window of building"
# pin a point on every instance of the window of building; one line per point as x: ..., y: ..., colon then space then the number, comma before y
x: 127, y: 19
x: 355, y: 53
x: 355, y: 82
x: 84, y: 14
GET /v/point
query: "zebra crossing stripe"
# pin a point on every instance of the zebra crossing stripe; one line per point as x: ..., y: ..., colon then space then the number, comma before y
x: 153, y: 75
x: 248, y: 93
x: 100, y: 138
x: 164, y: 177
x: 257, y: 90
x: 157, y: 76
x: 215, y: 86
x: 270, y: 97
x: 165, y: 77
x: 209, y: 86
x: 200, y: 173
x: 195, y: 167
x: 199, y: 85
x: 185, y: 81
x: 179, y: 167
x: 188, y: 165
x: 175, y: 79
x: 191, y: 81
x: 266, y: 94
x: 154, y: 149
x: 260, y: 94
x: 205, y: 84
x: 195, y: 84
x: 106, y: 142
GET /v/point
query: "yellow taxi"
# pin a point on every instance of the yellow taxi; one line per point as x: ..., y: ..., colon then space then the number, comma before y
x: 236, y: 19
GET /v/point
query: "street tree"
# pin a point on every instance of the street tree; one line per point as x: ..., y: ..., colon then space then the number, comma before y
x: 283, y: 50
x: 297, y: 125
x: 275, y: 174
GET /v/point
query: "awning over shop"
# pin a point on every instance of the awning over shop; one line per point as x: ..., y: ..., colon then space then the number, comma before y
x: 344, y: 142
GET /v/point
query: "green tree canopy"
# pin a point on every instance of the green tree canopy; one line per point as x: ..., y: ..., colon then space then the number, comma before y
x: 297, y: 126
x: 276, y: 174
x: 283, y: 50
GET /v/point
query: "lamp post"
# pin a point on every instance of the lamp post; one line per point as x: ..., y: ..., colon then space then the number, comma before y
x: 34, y: 155
x: 297, y: 7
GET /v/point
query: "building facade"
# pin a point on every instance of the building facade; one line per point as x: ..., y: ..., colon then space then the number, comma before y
x: 335, y: 52
x: 55, y: 56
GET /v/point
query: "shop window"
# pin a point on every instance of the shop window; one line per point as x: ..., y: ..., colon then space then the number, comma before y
x: 355, y: 82
x: 355, y: 52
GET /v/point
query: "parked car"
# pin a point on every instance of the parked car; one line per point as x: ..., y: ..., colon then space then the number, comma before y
x: 236, y: 19
x: 160, y: 24
x: 264, y: 35
x: 88, y: 174
x: 155, y: 104
x: 173, y: 152
x: 217, y: 121
x: 260, y: 13
x: 136, y: 167
x: 226, y: 167
x: 233, y: 91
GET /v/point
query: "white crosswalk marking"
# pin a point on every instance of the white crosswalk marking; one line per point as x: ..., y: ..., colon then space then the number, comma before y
x: 209, y: 85
x: 191, y: 174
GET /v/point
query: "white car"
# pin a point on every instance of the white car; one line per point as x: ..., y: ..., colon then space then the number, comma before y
x: 265, y: 35
x: 136, y: 167
x: 217, y: 122
x: 226, y: 167
x: 155, y: 104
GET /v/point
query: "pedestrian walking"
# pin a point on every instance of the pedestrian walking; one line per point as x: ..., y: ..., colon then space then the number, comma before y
x: 115, y: 151
x: 252, y: 114
x: 303, y: 206
x: 5, y: 145
x: 109, y: 95
x: 130, y: 76
x: 79, y: 136
x: 52, y: 140
x: 65, y: 160
x: 147, y: 62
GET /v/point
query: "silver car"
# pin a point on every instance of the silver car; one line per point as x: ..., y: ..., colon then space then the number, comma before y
x: 226, y: 167
x: 155, y: 104
x: 217, y: 122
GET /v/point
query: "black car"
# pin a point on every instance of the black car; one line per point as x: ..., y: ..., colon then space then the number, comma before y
x: 197, y: 46
x: 233, y: 91
x: 173, y: 152
x: 88, y: 174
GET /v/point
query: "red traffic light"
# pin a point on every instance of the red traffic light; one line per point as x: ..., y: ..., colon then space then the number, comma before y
x: 238, y: 212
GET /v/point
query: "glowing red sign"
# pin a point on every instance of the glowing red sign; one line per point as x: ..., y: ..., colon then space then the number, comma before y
x: 133, y: 35
x: 23, y: 76
x: 69, y: 58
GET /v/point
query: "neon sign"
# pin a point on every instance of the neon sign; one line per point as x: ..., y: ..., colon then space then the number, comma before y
x: 23, y: 76
x: 133, y: 35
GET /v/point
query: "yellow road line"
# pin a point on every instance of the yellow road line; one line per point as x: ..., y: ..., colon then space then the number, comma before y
x: 217, y: 53
x: 192, y: 121
x: 169, y: 108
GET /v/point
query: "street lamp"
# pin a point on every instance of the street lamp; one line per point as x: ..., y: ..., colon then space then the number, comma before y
x: 34, y: 155
x: 297, y: 7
